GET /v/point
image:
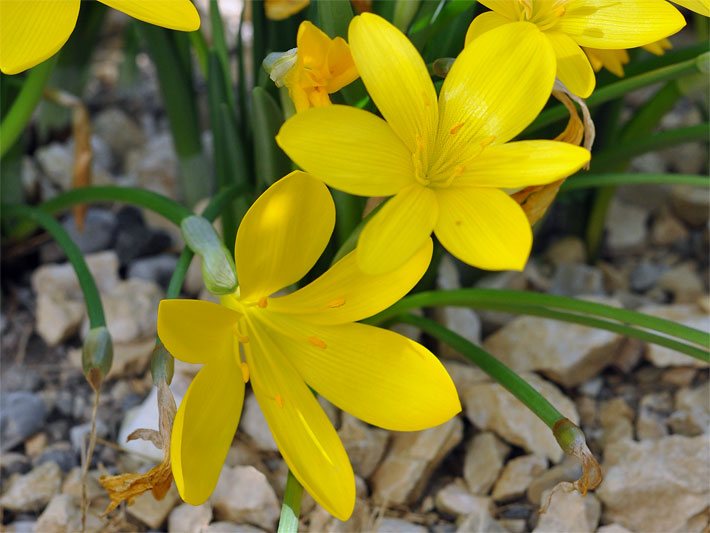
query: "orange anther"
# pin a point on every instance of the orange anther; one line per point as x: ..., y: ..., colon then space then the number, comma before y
x: 318, y: 343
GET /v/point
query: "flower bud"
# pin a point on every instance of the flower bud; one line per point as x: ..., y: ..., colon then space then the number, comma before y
x: 218, y: 270
x: 97, y: 356
x: 277, y: 65
x: 162, y: 364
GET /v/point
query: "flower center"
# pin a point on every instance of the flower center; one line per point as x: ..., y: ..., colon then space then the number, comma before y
x: 543, y: 13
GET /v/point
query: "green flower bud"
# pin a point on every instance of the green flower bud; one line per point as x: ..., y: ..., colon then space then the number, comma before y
x: 277, y: 65
x: 97, y: 356
x: 218, y: 270
x: 162, y: 364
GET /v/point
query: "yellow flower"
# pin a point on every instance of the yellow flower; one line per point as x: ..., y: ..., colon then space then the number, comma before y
x: 288, y: 343
x: 282, y: 9
x: 34, y: 30
x: 323, y: 66
x: 446, y: 162
x: 570, y: 24
x: 701, y: 7
x: 614, y: 60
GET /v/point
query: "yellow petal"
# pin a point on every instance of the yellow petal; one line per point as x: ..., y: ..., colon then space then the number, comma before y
x: 699, y: 6
x: 204, y: 428
x: 483, y: 23
x: 496, y: 87
x: 658, y: 47
x: 349, y: 149
x: 346, y: 294
x: 397, y: 231
x: 197, y: 332
x: 523, y: 163
x: 511, y: 10
x: 283, y: 234
x: 33, y: 30
x: 484, y: 228
x: 573, y: 67
x: 627, y: 24
x: 397, y: 79
x: 306, y: 438
x: 282, y: 9
x: 173, y: 14
x: 612, y: 60
x: 340, y: 65
x: 374, y: 374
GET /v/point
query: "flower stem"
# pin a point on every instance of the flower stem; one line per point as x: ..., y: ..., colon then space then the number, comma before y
x: 291, y: 507
x: 588, y: 181
x: 21, y: 110
x: 86, y: 281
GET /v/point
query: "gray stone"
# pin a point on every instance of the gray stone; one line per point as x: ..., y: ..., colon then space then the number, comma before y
x: 152, y: 512
x: 574, y: 279
x: 570, y: 511
x: 131, y: 310
x: 243, y: 494
x: 690, y: 204
x: 480, y: 519
x: 60, y: 453
x: 613, y: 528
x: 57, y: 317
x: 491, y: 407
x: 99, y: 231
x: 692, y: 415
x: 412, y: 458
x: 79, y: 435
x: 118, y: 131
x: 12, y: 463
x: 483, y: 462
x: 683, y: 283
x: 645, y: 275
x: 567, y: 250
x: 32, y: 492
x: 568, y: 470
x: 568, y: 354
x: 653, y: 413
x: 158, y: 269
x: 22, y: 414
x: 254, y: 424
x: 667, y: 230
x: 686, y: 314
x: 460, y: 320
x: 225, y: 526
x: 625, y: 228
x: 656, y: 485
x: 395, y: 525
x: 155, y: 166
x: 188, y: 518
x: 454, y: 499
x: 365, y: 445
x: 517, y: 476
x: 19, y: 378
x: 63, y: 515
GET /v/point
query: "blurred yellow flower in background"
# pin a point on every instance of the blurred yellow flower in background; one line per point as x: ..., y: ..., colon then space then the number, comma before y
x: 308, y: 338
x: 444, y: 162
x: 614, y: 60
x: 34, y: 30
x: 571, y: 24
x: 282, y: 9
x: 701, y: 7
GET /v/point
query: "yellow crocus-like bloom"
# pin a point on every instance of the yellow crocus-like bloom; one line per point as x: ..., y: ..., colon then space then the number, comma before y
x: 34, y: 30
x: 571, y: 24
x: 614, y: 60
x: 323, y: 66
x: 284, y: 344
x: 702, y: 7
x: 282, y: 9
x: 444, y: 162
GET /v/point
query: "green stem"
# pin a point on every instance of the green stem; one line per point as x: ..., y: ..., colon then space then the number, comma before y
x: 86, y: 281
x: 291, y: 507
x: 512, y: 382
x: 663, y: 139
x: 620, y: 88
x: 164, y: 206
x: 587, y: 181
x: 21, y: 110
x: 178, y: 277
x: 597, y: 219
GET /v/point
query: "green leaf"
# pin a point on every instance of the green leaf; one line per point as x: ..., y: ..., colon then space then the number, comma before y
x: 269, y: 161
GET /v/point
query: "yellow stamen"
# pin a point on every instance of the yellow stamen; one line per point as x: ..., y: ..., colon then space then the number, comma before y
x: 487, y: 141
x: 262, y: 302
x: 318, y: 343
x: 245, y: 371
x: 456, y: 128
x: 279, y: 400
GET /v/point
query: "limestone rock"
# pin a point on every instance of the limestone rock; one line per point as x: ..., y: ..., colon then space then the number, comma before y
x: 155, y: 165
x: 186, y: 518
x: 243, y: 494
x: 118, y: 130
x: 460, y: 320
x: 686, y: 314
x: 254, y: 424
x: 57, y: 318
x: 61, y: 278
x: 483, y: 462
x: 22, y: 414
x: 683, y: 283
x: 656, y: 485
x: 567, y: 250
x: 517, y: 476
x: 568, y: 470
x: 570, y: 511
x: 152, y: 512
x: 652, y: 416
x: 395, y: 525
x: 464, y: 374
x: 490, y: 407
x: 224, y: 526
x: 613, y: 528
x: 616, y: 418
x: 365, y: 445
x: 129, y: 358
x: 625, y: 227
x: 690, y: 204
x: 33, y: 491
x: 455, y: 500
x: 692, y: 415
x: 574, y: 280
x: 667, y: 230
x: 480, y: 519
x: 131, y: 309
x: 568, y: 354
x: 412, y: 458
x: 63, y: 515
